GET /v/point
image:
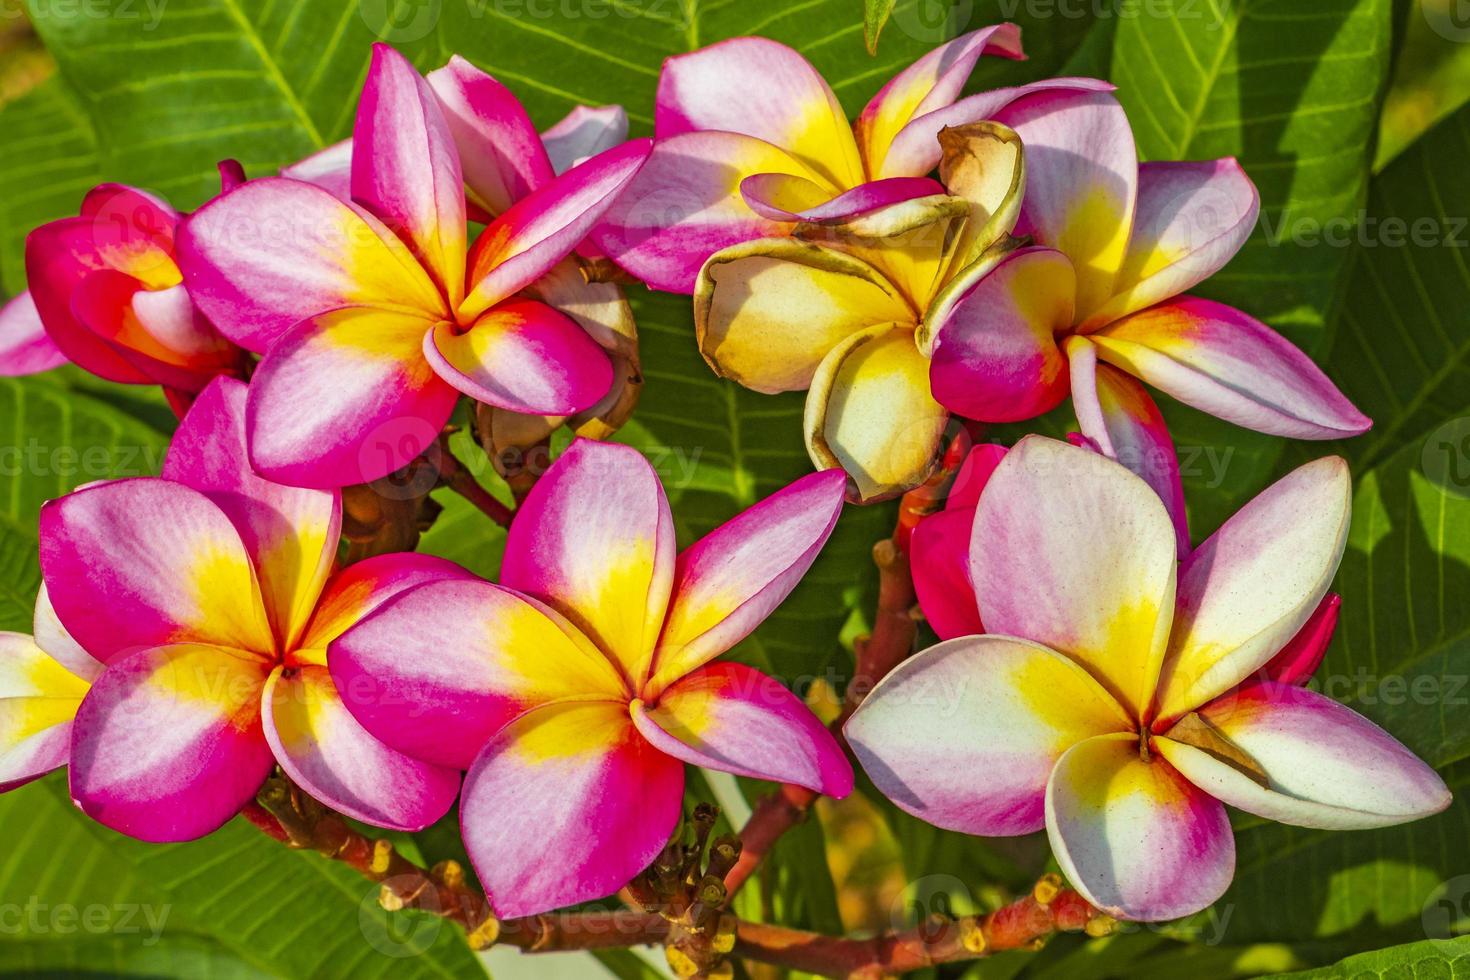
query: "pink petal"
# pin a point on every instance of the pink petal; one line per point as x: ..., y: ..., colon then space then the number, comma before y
x: 1250, y: 587
x: 730, y: 580
x: 1081, y: 183
x: 1324, y: 765
x: 732, y: 718
x: 940, y: 557
x: 995, y: 357
x: 168, y: 745
x: 539, y: 231
x: 38, y: 698
x: 59, y: 256
x: 1073, y: 551
x: 685, y: 205
x: 522, y: 356
x: 499, y: 149
x: 275, y: 251
x: 965, y: 734
x: 915, y: 148
x: 290, y: 533
x: 24, y: 346
x: 1221, y: 361
x: 1191, y: 219
x: 1122, y: 421
x: 355, y: 591
x: 788, y: 198
x: 344, y: 398
x: 584, y: 132
x: 132, y: 564
x: 566, y: 805
x: 330, y: 169
x: 405, y: 168
x: 761, y: 88
x: 595, y: 541
x: 1303, y: 653
x: 59, y: 644
x: 330, y: 755
x: 437, y: 671
x: 1136, y: 838
x: 158, y: 332
x: 930, y: 83
x: 974, y: 473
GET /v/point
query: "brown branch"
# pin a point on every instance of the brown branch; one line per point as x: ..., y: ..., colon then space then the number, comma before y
x: 453, y: 475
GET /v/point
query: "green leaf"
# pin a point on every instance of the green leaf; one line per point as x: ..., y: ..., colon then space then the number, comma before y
x: 875, y: 15
x: 1293, y: 92
x: 235, y: 904
x: 1432, y: 960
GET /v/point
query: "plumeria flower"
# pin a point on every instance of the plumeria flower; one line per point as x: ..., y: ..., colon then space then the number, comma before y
x: 210, y: 596
x: 845, y: 312
x: 43, y: 679
x: 375, y: 315
x: 576, y: 689
x: 751, y: 141
x: 1106, y: 702
x: 106, y: 291
x: 504, y: 161
x: 1098, y: 297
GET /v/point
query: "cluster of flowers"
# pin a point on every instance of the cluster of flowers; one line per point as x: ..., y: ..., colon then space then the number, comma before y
x: 1100, y: 677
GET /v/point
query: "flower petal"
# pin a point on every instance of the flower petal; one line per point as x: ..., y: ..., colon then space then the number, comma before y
x: 730, y: 580
x: 930, y: 83
x: 60, y: 645
x: 685, y: 205
x: 786, y: 197
x: 355, y: 591
x: 767, y: 311
x: 540, y: 230
x: 995, y: 357
x: 25, y: 347
x: 595, y: 541
x: 1116, y: 413
x: 522, y: 356
x: 38, y: 698
x: 985, y: 164
x: 1073, y: 551
x: 761, y: 88
x: 1136, y: 838
x: 1303, y: 653
x: 1081, y: 183
x: 441, y: 668
x: 344, y: 398
x: 275, y: 251
x: 1191, y: 219
x: 915, y: 149
x: 168, y: 745
x: 1251, y: 586
x: 330, y: 169
x: 290, y: 533
x: 566, y: 805
x: 131, y: 564
x: 732, y: 718
x: 869, y: 412
x: 330, y: 755
x: 940, y: 552
x: 499, y: 148
x: 1323, y: 764
x: 965, y: 734
x: 405, y: 168
x: 584, y: 132
x: 1219, y: 360
x: 974, y: 473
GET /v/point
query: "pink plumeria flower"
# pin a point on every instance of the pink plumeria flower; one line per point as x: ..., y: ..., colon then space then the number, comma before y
x: 374, y: 316
x: 106, y: 293
x: 505, y: 161
x: 1105, y: 704
x: 43, y: 679
x: 751, y: 142
x: 576, y: 689
x: 210, y: 596
x: 1117, y: 244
